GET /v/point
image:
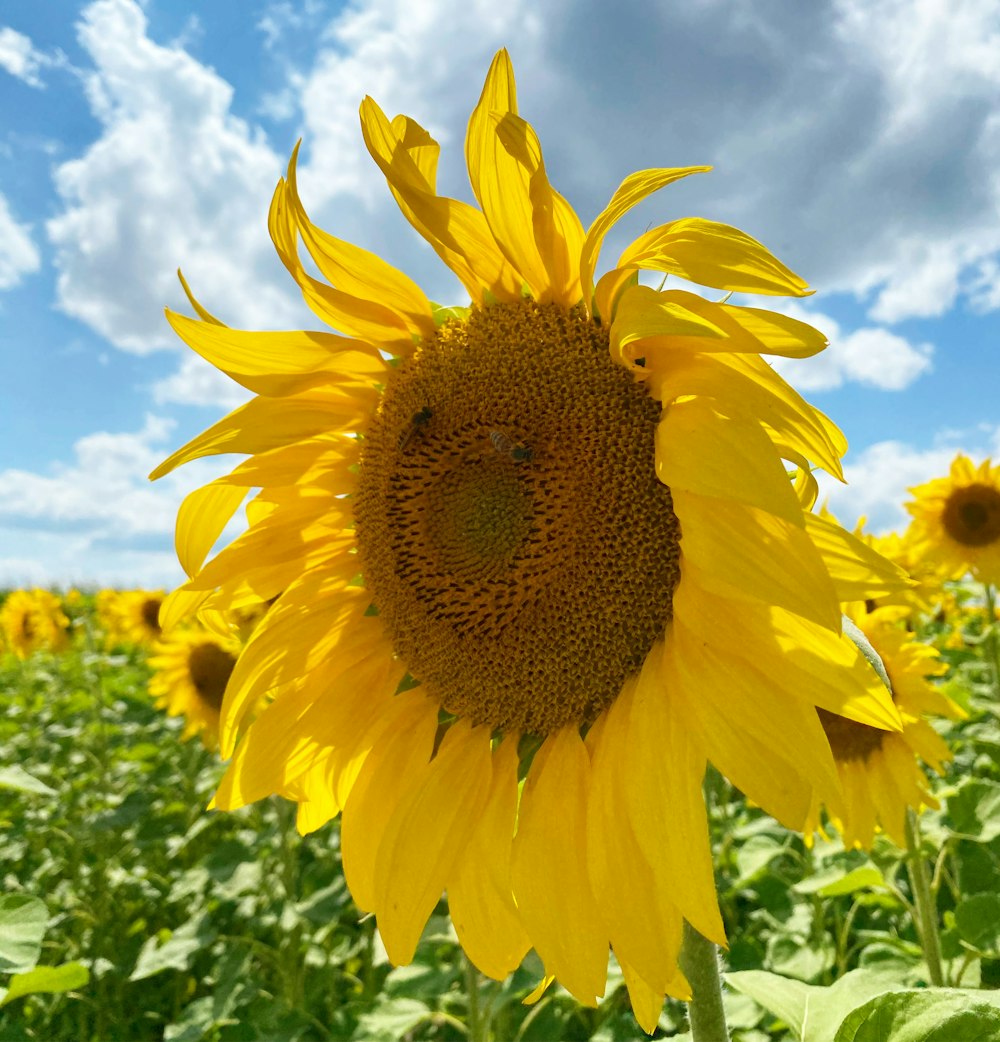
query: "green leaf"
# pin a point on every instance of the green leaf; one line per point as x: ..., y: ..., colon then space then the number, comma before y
x: 812, y: 1012
x: 927, y: 1015
x: 835, y: 882
x: 852, y: 630
x: 974, y: 810
x: 173, y: 954
x: 978, y: 922
x: 392, y: 1019
x: 22, y: 926
x: 18, y: 778
x: 49, y: 979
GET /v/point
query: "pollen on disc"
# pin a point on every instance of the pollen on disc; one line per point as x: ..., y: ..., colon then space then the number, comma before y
x: 516, y: 540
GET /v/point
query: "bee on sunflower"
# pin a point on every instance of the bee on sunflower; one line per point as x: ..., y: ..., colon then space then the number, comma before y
x: 509, y: 669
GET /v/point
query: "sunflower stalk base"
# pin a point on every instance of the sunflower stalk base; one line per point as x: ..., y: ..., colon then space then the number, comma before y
x: 924, y: 900
x: 700, y: 962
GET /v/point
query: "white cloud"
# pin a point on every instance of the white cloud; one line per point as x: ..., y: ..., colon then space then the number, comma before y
x: 878, y: 478
x: 870, y: 356
x: 18, y: 252
x: 98, y: 518
x: 19, y: 57
x: 174, y: 179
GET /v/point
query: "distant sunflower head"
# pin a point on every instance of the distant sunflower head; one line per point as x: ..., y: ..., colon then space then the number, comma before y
x: 191, y: 669
x: 881, y: 771
x: 956, y: 520
x: 33, y: 620
x: 549, y: 536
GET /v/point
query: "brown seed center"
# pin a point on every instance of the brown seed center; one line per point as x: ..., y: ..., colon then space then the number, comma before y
x: 517, y: 543
x: 210, y: 667
x: 972, y: 515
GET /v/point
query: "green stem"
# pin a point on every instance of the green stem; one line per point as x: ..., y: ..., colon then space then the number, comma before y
x: 926, y: 907
x: 700, y: 963
x: 993, y: 638
x: 477, y: 1023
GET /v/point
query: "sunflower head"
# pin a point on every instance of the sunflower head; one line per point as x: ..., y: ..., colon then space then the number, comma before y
x: 191, y: 668
x: 536, y: 561
x: 33, y: 620
x: 956, y: 520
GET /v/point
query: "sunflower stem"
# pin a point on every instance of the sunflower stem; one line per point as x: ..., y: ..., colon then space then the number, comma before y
x: 926, y: 907
x: 700, y: 963
x: 993, y: 635
x: 477, y: 1023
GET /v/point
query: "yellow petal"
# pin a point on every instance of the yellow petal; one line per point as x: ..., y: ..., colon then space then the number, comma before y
x: 427, y: 835
x: 202, y: 313
x: 358, y: 271
x: 629, y: 193
x: 663, y: 795
x: 698, y: 449
x: 458, y: 232
x: 178, y: 605
x: 277, y: 364
x: 387, y: 776
x: 201, y: 517
x: 744, y: 551
x: 713, y: 254
x: 769, y: 745
x: 288, y: 644
x: 858, y: 571
x: 647, y: 1002
x: 266, y: 423
x: 610, y: 287
x: 479, y: 891
x: 549, y: 868
x: 644, y: 314
x: 534, y: 227
x: 818, y: 665
x: 359, y: 317
x: 643, y: 924
x: 747, y: 384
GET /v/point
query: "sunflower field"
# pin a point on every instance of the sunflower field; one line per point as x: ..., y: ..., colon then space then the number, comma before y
x: 129, y: 911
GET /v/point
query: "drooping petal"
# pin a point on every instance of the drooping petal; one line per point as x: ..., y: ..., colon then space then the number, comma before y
x: 390, y: 771
x: 278, y: 364
x: 201, y: 517
x: 698, y: 449
x: 664, y: 798
x: 549, y: 868
x: 479, y: 891
x: 629, y: 193
x: 745, y: 551
x: 713, y: 254
x: 426, y: 836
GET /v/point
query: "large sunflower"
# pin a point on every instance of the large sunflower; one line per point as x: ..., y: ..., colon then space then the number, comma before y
x: 191, y: 668
x: 880, y: 770
x: 535, y: 569
x: 32, y: 620
x: 956, y: 520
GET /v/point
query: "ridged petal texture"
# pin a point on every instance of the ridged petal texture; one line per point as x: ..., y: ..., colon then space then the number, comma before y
x: 591, y: 837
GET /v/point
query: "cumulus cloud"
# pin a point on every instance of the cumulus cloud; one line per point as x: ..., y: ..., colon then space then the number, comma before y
x: 871, y: 356
x: 878, y: 478
x: 19, y: 57
x: 175, y: 178
x: 105, y: 490
x: 18, y: 253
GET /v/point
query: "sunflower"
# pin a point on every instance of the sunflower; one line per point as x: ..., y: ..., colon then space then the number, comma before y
x: 191, y: 668
x: 880, y: 770
x: 32, y: 620
x: 539, y: 560
x: 956, y: 520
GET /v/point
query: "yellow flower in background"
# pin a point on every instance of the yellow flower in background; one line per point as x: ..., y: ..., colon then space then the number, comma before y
x: 191, y: 668
x: 552, y: 539
x: 33, y: 620
x: 956, y: 520
x: 880, y: 770
x: 130, y: 616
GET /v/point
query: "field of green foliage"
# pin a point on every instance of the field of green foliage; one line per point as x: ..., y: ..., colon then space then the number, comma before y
x: 129, y: 911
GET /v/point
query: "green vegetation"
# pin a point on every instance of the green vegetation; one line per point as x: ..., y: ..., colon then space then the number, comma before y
x: 128, y: 911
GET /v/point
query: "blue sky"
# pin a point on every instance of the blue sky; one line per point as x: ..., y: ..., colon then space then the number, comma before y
x: 859, y: 139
